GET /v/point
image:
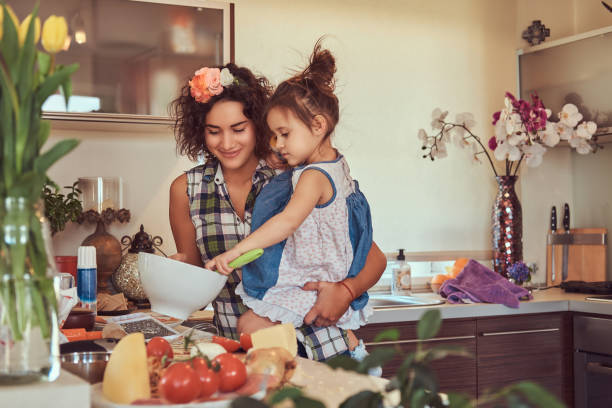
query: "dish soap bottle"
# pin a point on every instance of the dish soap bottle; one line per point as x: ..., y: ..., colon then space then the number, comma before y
x: 402, y: 279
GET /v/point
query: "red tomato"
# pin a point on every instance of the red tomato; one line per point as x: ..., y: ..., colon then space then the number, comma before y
x: 180, y: 384
x: 209, y: 378
x: 228, y: 344
x: 245, y: 341
x: 232, y: 372
x: 159, y: 347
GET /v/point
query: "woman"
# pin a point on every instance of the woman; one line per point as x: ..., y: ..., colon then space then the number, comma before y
x: 219, y: 115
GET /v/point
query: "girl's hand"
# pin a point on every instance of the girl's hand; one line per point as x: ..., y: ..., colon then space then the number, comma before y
x: 179, y: 256
x: 333, y: 299
x: 220, y: 262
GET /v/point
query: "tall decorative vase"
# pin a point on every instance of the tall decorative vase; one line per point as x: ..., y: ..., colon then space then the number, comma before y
x: 507, y: 226
x: 108, y: 254
x: 29, y: 333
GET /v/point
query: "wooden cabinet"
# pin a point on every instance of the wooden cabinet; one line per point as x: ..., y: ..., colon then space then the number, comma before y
x: 506, y: 349
x: 454, y: 373
x: 527, y: 347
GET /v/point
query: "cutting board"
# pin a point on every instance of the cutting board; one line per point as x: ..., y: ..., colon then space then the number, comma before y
x: 319, y: 381
x: 585, y: 262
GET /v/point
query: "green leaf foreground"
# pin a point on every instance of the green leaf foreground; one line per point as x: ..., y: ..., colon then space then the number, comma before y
x: 363, y: 399
x: 429, y: 324
x: 26, y: 81
x: 10, y: 41
x: 387, y: 335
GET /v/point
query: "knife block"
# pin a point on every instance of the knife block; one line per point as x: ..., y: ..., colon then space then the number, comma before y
x: 586, y: 255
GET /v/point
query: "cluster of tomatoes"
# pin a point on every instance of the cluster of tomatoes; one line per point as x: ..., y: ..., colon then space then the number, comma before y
x: 185, y: 381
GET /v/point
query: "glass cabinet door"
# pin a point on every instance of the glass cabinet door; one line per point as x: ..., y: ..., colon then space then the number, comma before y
x: 134, y: 55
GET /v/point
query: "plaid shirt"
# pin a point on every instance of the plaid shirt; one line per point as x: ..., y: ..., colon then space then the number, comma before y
x: 219, y: 228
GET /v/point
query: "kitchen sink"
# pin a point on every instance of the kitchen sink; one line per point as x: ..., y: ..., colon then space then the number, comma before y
x: 393, y: 301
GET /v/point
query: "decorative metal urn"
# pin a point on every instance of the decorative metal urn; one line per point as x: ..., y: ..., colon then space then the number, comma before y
x: 127, y: 277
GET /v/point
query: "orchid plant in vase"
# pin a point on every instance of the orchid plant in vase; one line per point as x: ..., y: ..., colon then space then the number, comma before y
x: 523, y: 132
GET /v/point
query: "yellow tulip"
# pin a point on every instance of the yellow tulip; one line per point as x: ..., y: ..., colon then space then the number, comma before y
x: 54, y: 33
x: 25, y: 25
x: 13, y: 17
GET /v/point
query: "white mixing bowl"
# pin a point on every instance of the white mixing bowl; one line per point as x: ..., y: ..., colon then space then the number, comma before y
x: 176, y: 288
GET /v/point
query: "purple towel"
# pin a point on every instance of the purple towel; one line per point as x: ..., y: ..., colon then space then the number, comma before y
x: 478, y: 283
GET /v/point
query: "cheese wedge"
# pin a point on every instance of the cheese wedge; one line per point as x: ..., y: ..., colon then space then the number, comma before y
x: 126, y: 377
x: 281, y: 335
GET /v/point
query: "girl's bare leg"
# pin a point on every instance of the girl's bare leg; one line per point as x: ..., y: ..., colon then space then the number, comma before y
x: 250, y: 322
x: 353, y: 340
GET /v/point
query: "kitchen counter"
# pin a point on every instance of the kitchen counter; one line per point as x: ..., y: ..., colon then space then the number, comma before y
x: 544, y: 301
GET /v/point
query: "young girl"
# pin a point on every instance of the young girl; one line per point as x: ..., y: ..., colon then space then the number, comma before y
x: 324, y: 231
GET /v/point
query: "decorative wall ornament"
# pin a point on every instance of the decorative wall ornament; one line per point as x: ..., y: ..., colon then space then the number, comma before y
x: 536, y: 33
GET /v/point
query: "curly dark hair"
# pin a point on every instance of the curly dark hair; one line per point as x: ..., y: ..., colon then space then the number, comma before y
x: 190, y: 116
x: 310, y: 92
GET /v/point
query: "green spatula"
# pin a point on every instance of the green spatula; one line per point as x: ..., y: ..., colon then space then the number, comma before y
x: 246, y: 258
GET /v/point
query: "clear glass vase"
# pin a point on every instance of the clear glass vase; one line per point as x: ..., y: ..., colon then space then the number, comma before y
x: 29, y: 333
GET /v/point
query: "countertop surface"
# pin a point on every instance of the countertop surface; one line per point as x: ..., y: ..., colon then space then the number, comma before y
x: 544, y: 301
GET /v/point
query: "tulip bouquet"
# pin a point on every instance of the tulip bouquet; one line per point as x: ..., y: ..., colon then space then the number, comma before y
x: 522, y: 133
x: 28, y: 76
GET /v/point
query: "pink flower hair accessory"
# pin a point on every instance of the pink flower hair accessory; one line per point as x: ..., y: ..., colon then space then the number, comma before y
x: 208, y: 82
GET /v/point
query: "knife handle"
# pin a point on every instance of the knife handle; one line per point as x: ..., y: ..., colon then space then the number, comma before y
x: 553, y: 219
x: 566, y: 218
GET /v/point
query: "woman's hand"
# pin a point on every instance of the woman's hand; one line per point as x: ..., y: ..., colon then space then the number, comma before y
x: 220, y: 262
x: 333, y: 299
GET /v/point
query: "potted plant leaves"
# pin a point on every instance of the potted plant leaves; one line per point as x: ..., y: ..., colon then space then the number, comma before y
x: 61, y: 208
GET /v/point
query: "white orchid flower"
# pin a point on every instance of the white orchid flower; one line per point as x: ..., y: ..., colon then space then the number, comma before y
x: 533, y: 154
x: 446, y: 134
x: 422, y: 135
x: 514, y: 124
x: 505, y: 151
x: 584, y: 147
x: 581, y: 145
x: 517, y: 138
x: 437, y: 117
x: 565, y: 132
x: 466, y: 119
x: 475, y: 156
x: 457, y: 132
x: 549, y: 136
x: 586, y: 130
x: 459, y: 140
x: 569, y: 115
x: 439, y: 151
x: 500, y: 130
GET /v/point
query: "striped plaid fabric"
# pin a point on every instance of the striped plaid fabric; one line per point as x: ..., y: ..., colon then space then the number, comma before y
x: 218, y: 228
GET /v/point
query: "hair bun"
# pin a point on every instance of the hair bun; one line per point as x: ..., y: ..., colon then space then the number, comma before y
x: 321, y: 68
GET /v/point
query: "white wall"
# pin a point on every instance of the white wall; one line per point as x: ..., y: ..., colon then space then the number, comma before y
x: 397, y: 60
